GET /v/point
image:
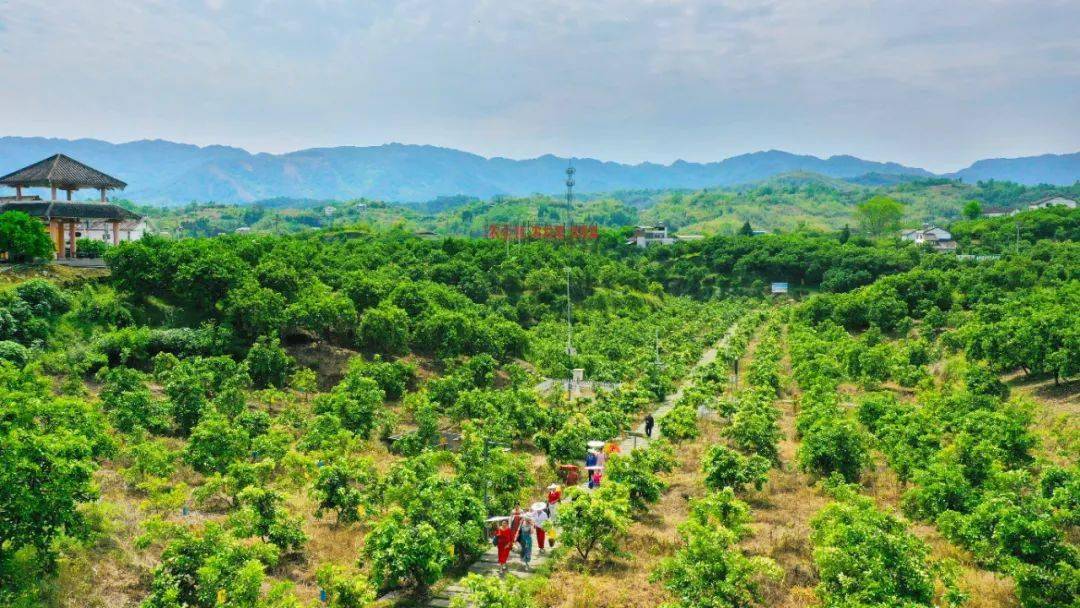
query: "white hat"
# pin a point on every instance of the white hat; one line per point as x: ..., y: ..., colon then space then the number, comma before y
x: 553, y: 486
x: 539, y: 506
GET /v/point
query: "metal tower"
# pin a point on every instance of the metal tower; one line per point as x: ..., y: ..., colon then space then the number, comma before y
x: 570, y: 194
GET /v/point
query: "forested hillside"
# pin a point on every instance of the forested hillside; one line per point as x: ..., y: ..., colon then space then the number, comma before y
x: 168, y: 173
x: 339, y: 416
x: 799, y: 201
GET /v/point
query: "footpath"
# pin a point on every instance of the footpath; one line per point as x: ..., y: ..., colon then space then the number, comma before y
x: 488, y: 563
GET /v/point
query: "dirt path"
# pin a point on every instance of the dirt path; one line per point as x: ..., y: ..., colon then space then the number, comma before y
x: 782, y: 511
x: 655, y: 531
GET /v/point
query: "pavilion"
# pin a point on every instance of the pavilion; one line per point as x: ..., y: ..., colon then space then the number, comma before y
x: 68, y: 220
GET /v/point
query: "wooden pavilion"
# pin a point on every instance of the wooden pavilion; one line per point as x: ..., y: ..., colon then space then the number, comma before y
x: 69, y: 220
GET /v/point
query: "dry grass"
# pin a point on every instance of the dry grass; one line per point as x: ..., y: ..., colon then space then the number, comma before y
x: 624, y: 583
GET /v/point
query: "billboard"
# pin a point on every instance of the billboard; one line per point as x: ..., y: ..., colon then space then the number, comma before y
x: 542, y: 231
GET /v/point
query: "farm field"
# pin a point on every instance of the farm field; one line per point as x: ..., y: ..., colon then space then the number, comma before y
x: 315, y: 419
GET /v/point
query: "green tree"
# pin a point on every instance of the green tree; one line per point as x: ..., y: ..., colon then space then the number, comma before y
x: 268, y: 363
x: 879, y: 215
x: 597, y: 519
x: 746, y: 229
x: 344, y: 589
x: 341, y: 486
x: 215, y: 443
x: 835, y: 446
x: 47, y: 461
x: 128, y: 401
x: 493, y: 592
x: 400, y: 552
x: 972, y: 209
x: 635, y: 471
x: 866, y: 557
x: 385, y: 329
x: 724, y: 467
x: 710, y: 570
x: 22, y: 237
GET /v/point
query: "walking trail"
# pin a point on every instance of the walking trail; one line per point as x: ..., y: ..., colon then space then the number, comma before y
x: 488, y: 563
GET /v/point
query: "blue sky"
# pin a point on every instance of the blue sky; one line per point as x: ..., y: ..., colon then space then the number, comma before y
x: 935, y: 84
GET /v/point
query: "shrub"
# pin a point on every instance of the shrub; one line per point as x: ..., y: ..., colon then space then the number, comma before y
x: 724, y: 467
x: 215, y: 443
x: 268, y: 363
x: 636, y: 472
x: 14, y: 352
x: 836, y: 446
x: 680, y: 423
x: 595, y: 520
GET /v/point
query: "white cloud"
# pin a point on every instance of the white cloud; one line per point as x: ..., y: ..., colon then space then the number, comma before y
x: 927, y: 83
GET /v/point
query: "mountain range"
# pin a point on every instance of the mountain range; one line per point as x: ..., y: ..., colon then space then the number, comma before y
x: 164, y: 172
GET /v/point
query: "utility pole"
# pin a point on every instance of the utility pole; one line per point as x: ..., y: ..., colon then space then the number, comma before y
x: 570, y: 352
x: 570, y: 195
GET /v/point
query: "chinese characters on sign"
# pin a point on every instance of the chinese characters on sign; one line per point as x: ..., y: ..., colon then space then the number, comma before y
x: 541, y: 231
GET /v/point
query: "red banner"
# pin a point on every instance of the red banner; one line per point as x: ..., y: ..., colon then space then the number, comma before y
x: 542, y: 231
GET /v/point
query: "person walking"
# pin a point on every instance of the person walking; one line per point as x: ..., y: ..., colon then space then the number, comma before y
x: 649, y: 422
x: 540, y: 518
x: 553, y: 498
x: 526, y: 541
x: 504, y: 541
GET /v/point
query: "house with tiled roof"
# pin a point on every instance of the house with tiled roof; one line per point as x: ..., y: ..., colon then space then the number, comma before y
x: 68, y: 220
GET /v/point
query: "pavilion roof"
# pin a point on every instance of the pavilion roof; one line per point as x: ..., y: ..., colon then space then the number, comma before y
x: 63, y: 172
x: 65, y: 210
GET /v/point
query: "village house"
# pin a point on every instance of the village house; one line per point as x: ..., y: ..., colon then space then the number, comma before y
x: 939, y: 238
x: 650, y: 235
x: 67, y: 220
x: 1053, y: 201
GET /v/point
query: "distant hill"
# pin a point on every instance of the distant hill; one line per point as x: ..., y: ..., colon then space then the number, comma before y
x: 164, y: 172
x: 1054, y: 169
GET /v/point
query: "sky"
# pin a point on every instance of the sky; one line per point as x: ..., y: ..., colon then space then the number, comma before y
x: 929, y: 83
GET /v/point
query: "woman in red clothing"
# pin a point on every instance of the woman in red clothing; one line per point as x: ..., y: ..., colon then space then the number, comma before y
x: 553, y: 498
x: 504, y: 540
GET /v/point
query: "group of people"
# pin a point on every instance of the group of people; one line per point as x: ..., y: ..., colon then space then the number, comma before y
x: 521, y: 525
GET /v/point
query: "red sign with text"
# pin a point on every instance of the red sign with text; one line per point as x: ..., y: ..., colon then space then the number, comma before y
x: 542, y: 231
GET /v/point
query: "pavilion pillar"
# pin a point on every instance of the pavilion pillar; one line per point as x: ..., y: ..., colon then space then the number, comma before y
x: 69, y: 195
x: 71, y: 238
x: 103, y: 195
x: 57, y: 229
x: 18, y: 191
x: 53, y: 194
x: 115, y: 231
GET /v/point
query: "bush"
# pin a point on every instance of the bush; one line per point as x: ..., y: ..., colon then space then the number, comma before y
x: 215, y: 443
x: 680, y: 424
x: 724, y: 467
x: 22, y: 237
x: 867, y: 558
x: 835, y: 446
x: 595, y: 520
x: 268, y: 363
x: 635, y: 471
x: 14, y: 352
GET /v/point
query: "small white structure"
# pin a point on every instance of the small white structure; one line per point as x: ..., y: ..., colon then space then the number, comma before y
x: 778, y: 288
x: 328, y: 210
x: 243, y: 230
x: 1053, y: 201
x: 650, y: 235
x: 940, y: 238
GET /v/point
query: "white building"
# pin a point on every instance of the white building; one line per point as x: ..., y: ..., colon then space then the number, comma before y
x: 1053, y: 201
x: 650, y: 235
x: 940, y: 238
